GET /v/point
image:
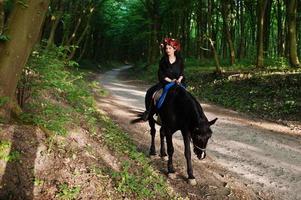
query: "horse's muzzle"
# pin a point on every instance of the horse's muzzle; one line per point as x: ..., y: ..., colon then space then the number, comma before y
x: 202, y: 155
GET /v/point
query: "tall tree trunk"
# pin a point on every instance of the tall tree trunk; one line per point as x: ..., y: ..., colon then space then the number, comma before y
x: 24, y: 26
x: 267, y: 27
x: 73, y: 35
x: 280, y: 30
x: 241, y: 50
x: 260, y: 27
x: 2, y: 17
x: 82, y: 36
x: 299, y: 27
x: 218, y: 68
x: 55, y: 20
x: 292, y: 36
x: 251, y: 40
x: 154, y: 16
x: 225, y: 13
x: 209, y: 25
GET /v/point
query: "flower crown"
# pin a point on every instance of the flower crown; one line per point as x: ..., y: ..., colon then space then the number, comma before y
x: 172, y: 42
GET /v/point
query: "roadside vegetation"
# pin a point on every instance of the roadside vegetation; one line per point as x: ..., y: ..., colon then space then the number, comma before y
x: 271, y: 93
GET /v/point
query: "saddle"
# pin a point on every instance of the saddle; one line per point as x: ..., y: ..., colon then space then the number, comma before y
x: 160, y: 95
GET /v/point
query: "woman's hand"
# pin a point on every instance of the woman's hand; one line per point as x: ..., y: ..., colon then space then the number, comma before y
x: 179, y: 80
x: 169, y: 80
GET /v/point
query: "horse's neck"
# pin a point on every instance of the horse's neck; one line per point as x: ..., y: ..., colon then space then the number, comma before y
x: 197, y: 111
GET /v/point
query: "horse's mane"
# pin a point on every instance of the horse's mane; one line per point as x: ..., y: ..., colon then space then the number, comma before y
x: 187, y: 96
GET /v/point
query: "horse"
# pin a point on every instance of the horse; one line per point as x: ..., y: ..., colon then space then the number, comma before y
x: 181, y: 111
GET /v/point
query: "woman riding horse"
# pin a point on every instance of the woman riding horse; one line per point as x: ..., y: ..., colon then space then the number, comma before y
x: 171, y: 69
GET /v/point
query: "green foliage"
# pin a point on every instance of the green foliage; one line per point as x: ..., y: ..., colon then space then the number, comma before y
x: 3, y: 100
x: 130, y: 181
x: 4, y: 38
x: 38, y: 182
x: 22, y: 3
x: 55, y: 85
x: 12, y: 156
x: 68, y: 193
x: 269, y: 96
x: 48, y: 115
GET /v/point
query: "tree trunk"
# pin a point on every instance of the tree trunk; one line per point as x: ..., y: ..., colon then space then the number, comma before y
x: 2, y: 21
x: 79, y: 41
x: 218, y: 68
x: 241, y: 50
x: 261, y: 14
x: 24, y: 26
x: 154, y: 16
x: 267, y: 27
x: 225, y: 13
x: 280, y: 40
x: 2, y: 16
x: 292, y: 36
x: 55, y: 22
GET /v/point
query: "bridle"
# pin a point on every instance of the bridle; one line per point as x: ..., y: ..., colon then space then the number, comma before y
x: 199, y: 147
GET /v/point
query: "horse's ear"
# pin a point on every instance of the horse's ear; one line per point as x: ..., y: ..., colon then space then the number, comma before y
x: 212, y: 122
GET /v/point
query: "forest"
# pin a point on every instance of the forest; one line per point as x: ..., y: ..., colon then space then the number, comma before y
x: 231, y: 33
x: 239, y: 54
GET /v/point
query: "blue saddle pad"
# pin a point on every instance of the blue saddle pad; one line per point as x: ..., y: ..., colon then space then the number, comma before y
x: 163, y: 95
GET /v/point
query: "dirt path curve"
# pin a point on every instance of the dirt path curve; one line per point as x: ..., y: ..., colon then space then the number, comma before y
x: 247, y: 158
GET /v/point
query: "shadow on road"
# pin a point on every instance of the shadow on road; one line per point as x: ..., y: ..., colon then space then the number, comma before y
x: 18, y: 179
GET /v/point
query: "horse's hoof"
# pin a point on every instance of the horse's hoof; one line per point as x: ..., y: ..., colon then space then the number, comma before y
x: 171, y: 175
x: 152, y: 157
x: 192, y: 182
x: 164, y: 158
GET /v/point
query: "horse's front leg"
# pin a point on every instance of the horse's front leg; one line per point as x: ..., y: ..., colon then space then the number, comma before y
x: 152, y: 151
x: 170, y: 151
x: 162, y: 150
x: 187, y: 153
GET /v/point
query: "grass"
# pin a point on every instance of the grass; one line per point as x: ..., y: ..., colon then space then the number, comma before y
x: 136, y: 177
x: 271, y: 93
x: 67, y: 192
x: 6, y: 154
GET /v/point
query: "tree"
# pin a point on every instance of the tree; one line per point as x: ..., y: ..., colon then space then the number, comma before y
x: 261, y: 6
x: 226, y: 18
x: 24, y: 27
x: 291, y: 6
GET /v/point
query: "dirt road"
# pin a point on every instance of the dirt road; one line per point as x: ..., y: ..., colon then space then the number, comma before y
x: 246, y: 158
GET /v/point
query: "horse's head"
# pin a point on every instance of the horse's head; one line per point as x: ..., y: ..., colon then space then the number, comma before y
x: 200, y: 136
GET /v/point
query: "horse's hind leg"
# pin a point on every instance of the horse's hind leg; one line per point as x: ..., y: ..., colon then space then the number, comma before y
x: 162, y: 150
x: 152, y: 150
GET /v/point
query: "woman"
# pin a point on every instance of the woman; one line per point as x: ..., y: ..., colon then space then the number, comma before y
x: 171, y: 69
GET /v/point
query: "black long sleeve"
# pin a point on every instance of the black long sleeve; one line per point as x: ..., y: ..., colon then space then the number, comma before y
x: 172, y: 71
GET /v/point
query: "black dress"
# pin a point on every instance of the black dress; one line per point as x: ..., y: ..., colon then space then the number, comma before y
x: 166, y: 69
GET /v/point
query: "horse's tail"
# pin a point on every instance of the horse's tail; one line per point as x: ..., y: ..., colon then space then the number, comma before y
x: 139, y: 118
